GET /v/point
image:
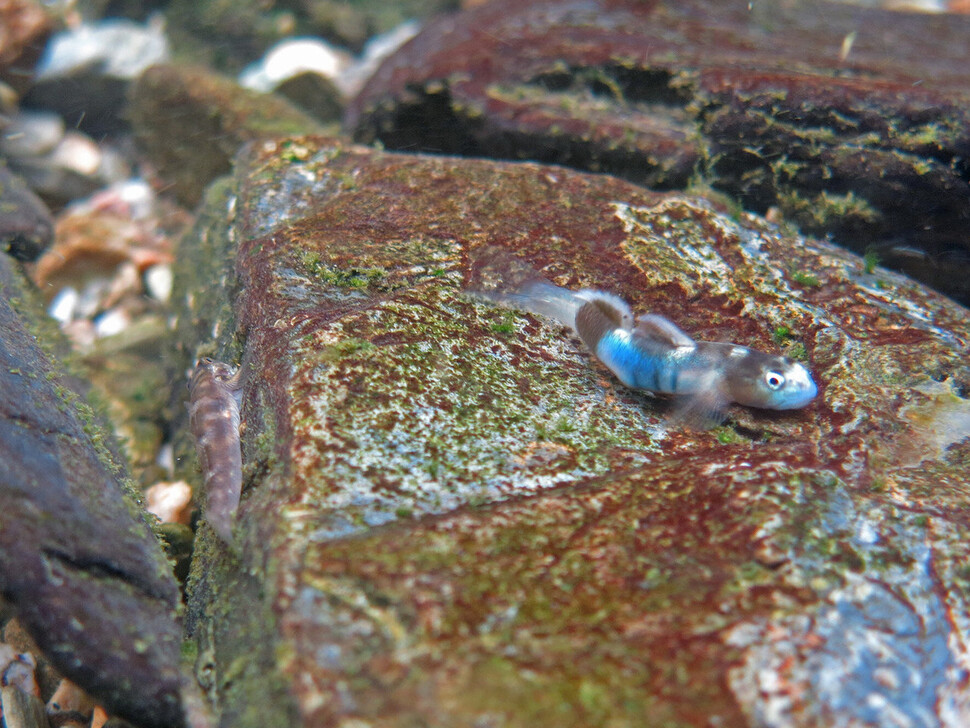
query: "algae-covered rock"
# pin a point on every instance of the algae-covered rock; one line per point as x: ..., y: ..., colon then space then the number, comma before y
x: 850, y: 121
x: 78, y: 561
x: 454, y: 515
x: 191, y: 122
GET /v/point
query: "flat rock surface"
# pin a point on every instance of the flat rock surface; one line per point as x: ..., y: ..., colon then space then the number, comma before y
x: 852, y: 122
x: 78, y: 562
x: 454, y: 515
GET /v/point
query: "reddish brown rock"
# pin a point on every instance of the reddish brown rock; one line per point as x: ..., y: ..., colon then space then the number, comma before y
x: 24, y: 26
x: 453, y: 515
x: 852, y: 121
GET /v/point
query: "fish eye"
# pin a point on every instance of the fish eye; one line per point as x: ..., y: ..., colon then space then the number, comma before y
x: 774, y: 380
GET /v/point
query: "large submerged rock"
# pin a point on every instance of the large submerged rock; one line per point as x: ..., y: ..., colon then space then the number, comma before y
x: 78, y: 562
x: 453, y: 515
x: 850, y: 121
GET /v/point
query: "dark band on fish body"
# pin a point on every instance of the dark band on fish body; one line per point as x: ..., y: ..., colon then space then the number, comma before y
x: 594, y: 320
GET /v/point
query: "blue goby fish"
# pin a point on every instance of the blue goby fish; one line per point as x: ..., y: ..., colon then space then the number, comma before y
x: 215, y: 392
x: 650, y: 352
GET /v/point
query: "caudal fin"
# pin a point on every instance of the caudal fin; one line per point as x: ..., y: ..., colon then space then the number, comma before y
x: 499, y: 277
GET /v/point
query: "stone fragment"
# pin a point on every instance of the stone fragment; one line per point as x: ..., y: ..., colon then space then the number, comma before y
x: 26, y: 226
x: 31, y: 134
x: 78, y: 563
x: 853, y: 122
x: 76, y: 166
x: 21, y: 710
x: 303, y: 70
x: 453, y: 515
x: 69, y: 701
x: 17, y: 669
x: 313, y: 93
x: 100, y: 718
x: 44, y: 675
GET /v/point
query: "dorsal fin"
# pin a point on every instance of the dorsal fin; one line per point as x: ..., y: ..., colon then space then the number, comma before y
x: 611, y: 305
x: 662, y: 329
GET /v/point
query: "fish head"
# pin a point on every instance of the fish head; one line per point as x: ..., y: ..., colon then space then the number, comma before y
x: 211, y: 369
x: 754, y: 379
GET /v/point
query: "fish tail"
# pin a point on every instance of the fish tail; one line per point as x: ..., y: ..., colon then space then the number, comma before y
x: 543, y: 298
x: 499, y: 277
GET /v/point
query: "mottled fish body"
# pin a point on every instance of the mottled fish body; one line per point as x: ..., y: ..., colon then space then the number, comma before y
x: 650, y: 352
x: 215, y: 390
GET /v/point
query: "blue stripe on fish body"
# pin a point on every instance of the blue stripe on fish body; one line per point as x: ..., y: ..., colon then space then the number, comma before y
x: 645, y: 364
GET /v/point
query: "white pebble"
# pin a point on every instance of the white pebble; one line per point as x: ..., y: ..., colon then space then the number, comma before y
x: 112, y: 322
x: 64, y: 305
x: 291, y: 58
x: 121, y: 48
x: 77, y: 153
x: 158, y: 282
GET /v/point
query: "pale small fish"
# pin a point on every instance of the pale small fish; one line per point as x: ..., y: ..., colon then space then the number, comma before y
x: 650, y: 352
x: 215, y: 392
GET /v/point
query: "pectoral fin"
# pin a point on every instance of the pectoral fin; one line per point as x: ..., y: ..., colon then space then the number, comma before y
x: 700, y: 411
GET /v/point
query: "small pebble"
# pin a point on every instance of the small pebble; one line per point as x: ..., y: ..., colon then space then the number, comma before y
x: 166, y: 458
x: 31, y: 134
x: 26, y: 226
x: 8, y: 99
x: 76, y: 167
x: 64, y: 305
x: 130, y: 198
x: 77, y: 153
x: 81, y: 334
x: 69, y: 698
x: 112, y: 322
x: 291, y: 58
x: 170, y: 501
x: 119, y: 48
x: 100, y: 717
x: 21, y: 710
x: 17, y: 669
x: 158, y: 282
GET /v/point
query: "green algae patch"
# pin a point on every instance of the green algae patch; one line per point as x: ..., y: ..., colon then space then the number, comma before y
x: 417, y: 404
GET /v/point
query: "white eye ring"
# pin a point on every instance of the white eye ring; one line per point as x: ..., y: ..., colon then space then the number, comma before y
x: 774, y: 380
